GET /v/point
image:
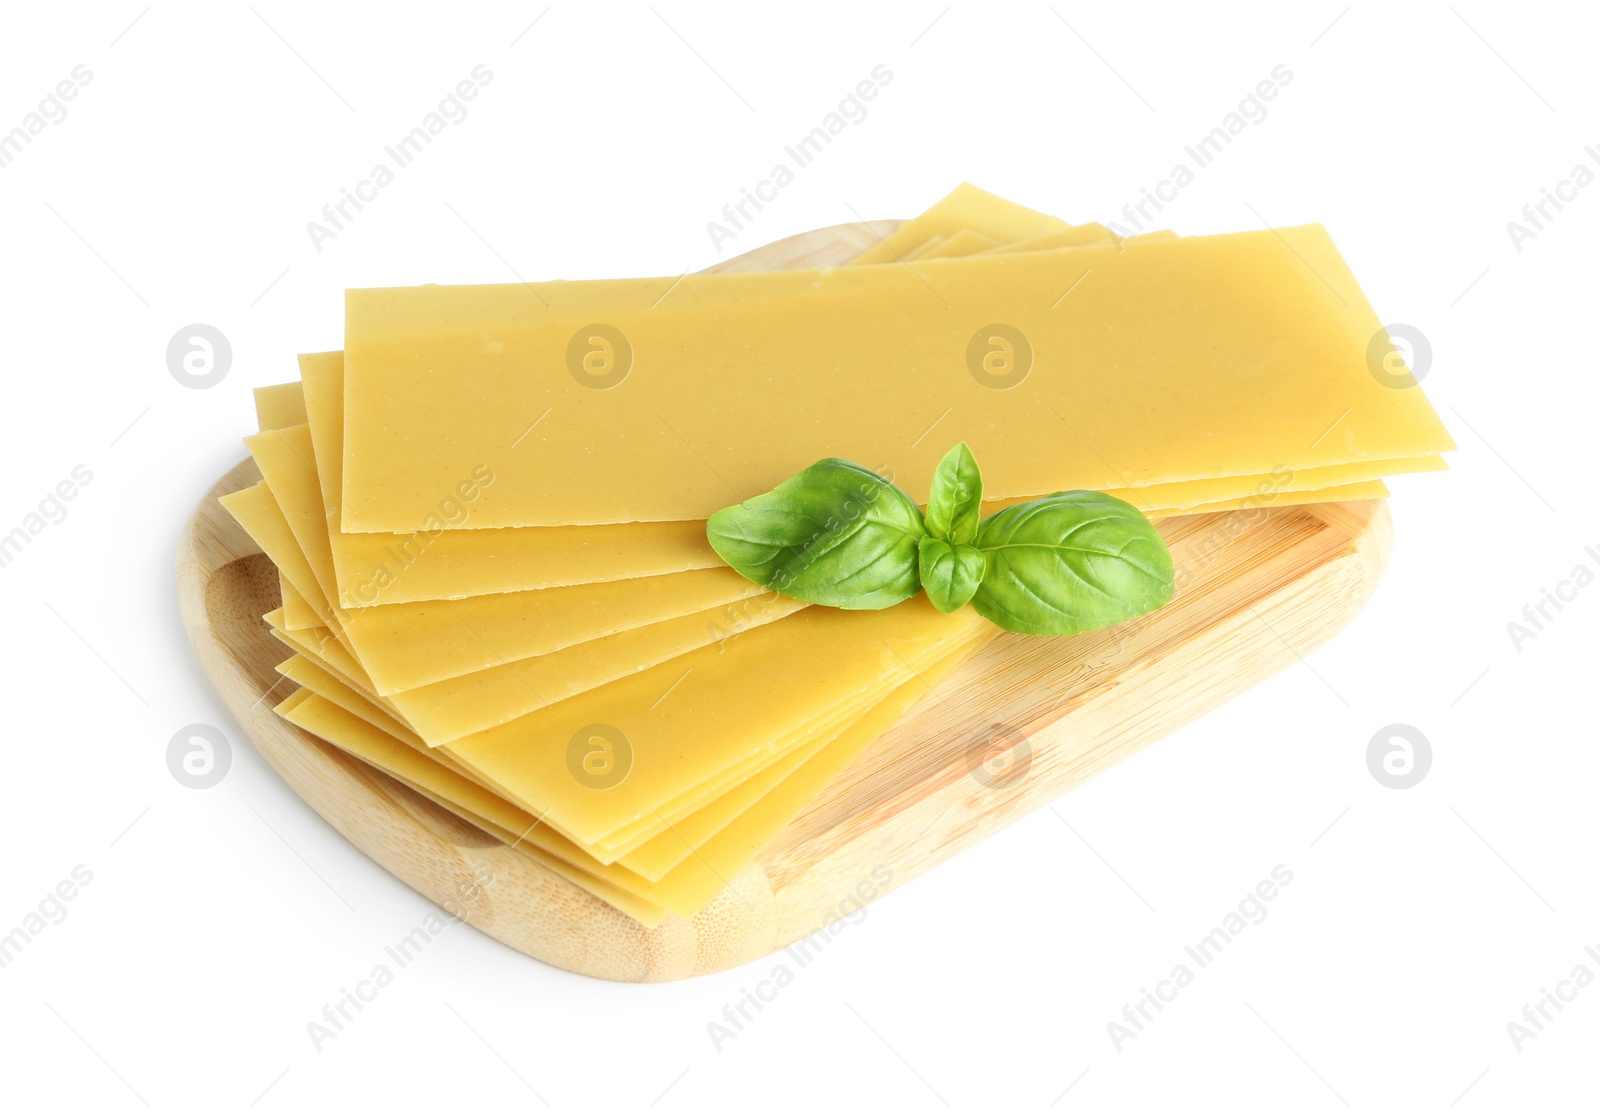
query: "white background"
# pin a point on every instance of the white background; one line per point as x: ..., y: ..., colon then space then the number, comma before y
x: 219, y: 922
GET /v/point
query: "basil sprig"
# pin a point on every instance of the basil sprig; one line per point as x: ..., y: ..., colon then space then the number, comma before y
x: 841, y: 535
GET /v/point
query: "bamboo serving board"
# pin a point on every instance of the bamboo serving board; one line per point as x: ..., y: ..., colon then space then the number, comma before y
x: 1016, y: 726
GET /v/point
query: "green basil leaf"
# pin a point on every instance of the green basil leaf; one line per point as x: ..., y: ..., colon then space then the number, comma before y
x: 955, y: 501
x: 835, y: 534
x: 1070, y: 562
x: 950, y: 572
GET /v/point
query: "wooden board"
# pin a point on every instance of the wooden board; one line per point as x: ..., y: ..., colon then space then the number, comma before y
x: 1018, y: 725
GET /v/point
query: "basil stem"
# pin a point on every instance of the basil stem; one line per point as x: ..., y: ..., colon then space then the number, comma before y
x: 840, y: 535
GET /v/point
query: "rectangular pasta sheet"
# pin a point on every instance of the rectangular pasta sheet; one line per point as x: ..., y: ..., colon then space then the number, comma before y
x: 1183, y: 359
